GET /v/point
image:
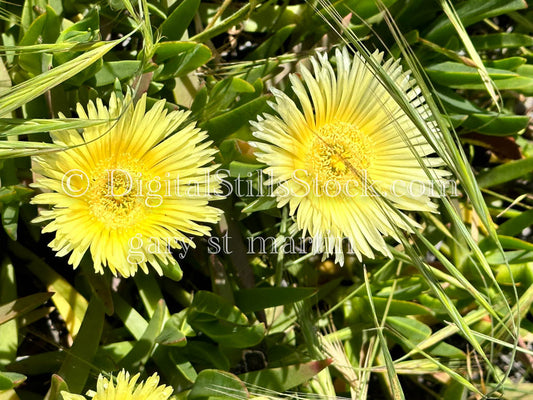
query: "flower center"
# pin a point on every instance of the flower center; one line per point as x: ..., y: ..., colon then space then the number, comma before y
x: 115, y: 196
x: 339, y: 153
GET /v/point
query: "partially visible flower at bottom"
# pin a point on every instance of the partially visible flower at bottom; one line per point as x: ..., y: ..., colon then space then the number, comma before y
x: 125, y: 388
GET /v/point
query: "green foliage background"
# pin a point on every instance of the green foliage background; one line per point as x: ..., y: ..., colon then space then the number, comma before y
x: 448, y: 317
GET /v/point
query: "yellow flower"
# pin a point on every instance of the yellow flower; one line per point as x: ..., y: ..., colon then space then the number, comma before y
x: 344, y: 145
x: 129, y: 190
x: 125, y: 389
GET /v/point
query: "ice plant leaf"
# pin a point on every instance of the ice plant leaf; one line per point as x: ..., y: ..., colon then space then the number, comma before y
x: 128, y: 190
x: 287, y: 377
x: 9, y: 380
x: 76, y: 366
x: 347, y: 144
x: 21, y: 306
x: 220, y: 384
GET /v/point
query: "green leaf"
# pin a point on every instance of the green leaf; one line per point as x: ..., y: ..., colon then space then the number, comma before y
x: 511, y: 257
x: 199, y: 102
x: 184, y: 367
x: 460, y: 29
x: 133, y: 321
x: 413, y: 330
x: 497, y: 125
x: 172, y: 334
x: 108, y: 356
x: 53, y: 25
x: 284, y: 378
x: 223, y: 94
x: 10, y: 215
x: 82, y: 31
x: 77, y: 365
x: 406, y: 288
x: 214, y: 306
x: 235, y: 336
x: 10, y: 380
x: 5, y: 79
x: 57, y: 385
x: 456, y: 103
x: 444, y: 349
x: 270, y: 46
x: 14, y: 194
x: 19, y: 307
x: 70, y: 304
x: 517, y: 224
x: 525, y: 70
x: 510, y: 63
x: 235, y: 149
x: 32, y: 62
x: 222, y: 321
x: 509, y: 242
x: 460, y: 76
x: 28, y: 12
x: 257, y: 299
x: 150, y: 292
x: 179, y: 58
x: 225, y: 24
x: 120, y: 70
x: 142, y: 350
x: 172, y: 271
x: 176, y: 23
x: 225, y: 124
x: 99, y: 283
x: 521, y: 84
x: 452, y: 74
x: 170, y: 368
x: 260, y: 204
x: 9, y: 331
x: 47, y: 362
x: 505, y: 173
x: 501, y: 40
x: 203, y: 354
x: 242, y: 86
x: 517, y: 274
x: 257, y: 70
x: 455, y: 390
x: 220, y: 384
x: 239, y: 169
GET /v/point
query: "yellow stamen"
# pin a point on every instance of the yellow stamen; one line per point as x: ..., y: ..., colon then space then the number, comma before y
x: 114, y: 195
x: 339, y: 152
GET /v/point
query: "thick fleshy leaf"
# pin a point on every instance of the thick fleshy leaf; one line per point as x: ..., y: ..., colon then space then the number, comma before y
x: 285, y: 378
x: 19, y: 307
x: 220, y: 384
